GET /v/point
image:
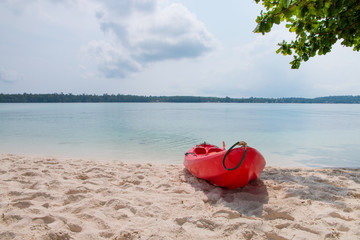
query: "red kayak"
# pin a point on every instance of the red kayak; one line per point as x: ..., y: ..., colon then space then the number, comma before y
x: 232, y: 169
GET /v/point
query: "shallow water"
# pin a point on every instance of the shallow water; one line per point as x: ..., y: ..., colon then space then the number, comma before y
x: 286, y: 134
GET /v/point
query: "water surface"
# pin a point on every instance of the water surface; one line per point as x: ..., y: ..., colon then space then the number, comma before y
x: 286, y: 134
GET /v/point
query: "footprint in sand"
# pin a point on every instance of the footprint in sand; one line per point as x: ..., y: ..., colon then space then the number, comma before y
x: 272, y: 214
x: 164, y: 186
x: 74, y: 227
x: 9, y: 219
x: 227, y: 214
x: 14, y: 193
x: 77, y: 190
x: 274, y: 236
x: 60, y: 235
x: 82, y: 176
x: 44, y: 220
x: 205, y: 223
x: 22, y: 204
x: 337, y: 215
x: 181, y: 221
x: 29, y: 174
x: 73, y: 198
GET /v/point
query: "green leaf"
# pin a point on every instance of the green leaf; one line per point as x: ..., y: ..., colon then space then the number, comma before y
x: 277, y: 20
x: 289, y: 13
x: 296, y: 63
x: 287, y: 3
x: 312, y: 10
x: 303, y: 12
x: 257, y: 28
x: 305, y: 57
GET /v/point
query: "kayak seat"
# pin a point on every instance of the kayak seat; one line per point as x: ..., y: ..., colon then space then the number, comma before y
x: 199, y: 150
x: 215, y: 150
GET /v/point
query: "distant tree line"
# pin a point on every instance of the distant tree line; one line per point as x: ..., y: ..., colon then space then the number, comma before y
x: 84, y: 98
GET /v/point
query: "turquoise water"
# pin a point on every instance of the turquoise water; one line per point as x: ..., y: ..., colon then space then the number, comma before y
x: 291, y: 135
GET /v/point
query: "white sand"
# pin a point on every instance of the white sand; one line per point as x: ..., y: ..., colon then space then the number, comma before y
x: 43, y: 198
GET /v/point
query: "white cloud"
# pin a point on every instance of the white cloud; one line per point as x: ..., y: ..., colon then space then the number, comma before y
x: 123, y: 8
x: 112, y: 60
x: 134, y: 33
x: 140, y: 32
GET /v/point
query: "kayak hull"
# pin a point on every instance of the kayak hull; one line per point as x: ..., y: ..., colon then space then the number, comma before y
x: 205, y: 161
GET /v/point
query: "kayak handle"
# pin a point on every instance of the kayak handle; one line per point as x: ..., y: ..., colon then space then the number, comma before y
x: 241, y: 143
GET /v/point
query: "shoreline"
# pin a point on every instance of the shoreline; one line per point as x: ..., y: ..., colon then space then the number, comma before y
x: 58, y: 198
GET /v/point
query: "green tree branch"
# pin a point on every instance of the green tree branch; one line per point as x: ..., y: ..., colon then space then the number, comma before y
x: 318, y: 25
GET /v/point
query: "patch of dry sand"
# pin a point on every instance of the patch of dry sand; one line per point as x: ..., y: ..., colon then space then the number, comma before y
x: 46, y: 198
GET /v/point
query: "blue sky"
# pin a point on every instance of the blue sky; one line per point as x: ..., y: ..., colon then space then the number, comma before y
x: 158, y: 47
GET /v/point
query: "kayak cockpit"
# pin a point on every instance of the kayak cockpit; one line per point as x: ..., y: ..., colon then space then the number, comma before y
x: 205, y: 149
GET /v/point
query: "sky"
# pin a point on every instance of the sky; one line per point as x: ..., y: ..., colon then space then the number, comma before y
x: 158, y: 48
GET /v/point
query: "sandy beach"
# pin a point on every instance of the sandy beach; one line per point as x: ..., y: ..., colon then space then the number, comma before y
x: 47, y: 198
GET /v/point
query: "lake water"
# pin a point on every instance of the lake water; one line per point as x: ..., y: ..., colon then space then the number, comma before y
x: 291, y: 135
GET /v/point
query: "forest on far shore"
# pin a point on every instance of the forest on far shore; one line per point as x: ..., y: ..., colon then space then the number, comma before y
x: 84, y: 98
